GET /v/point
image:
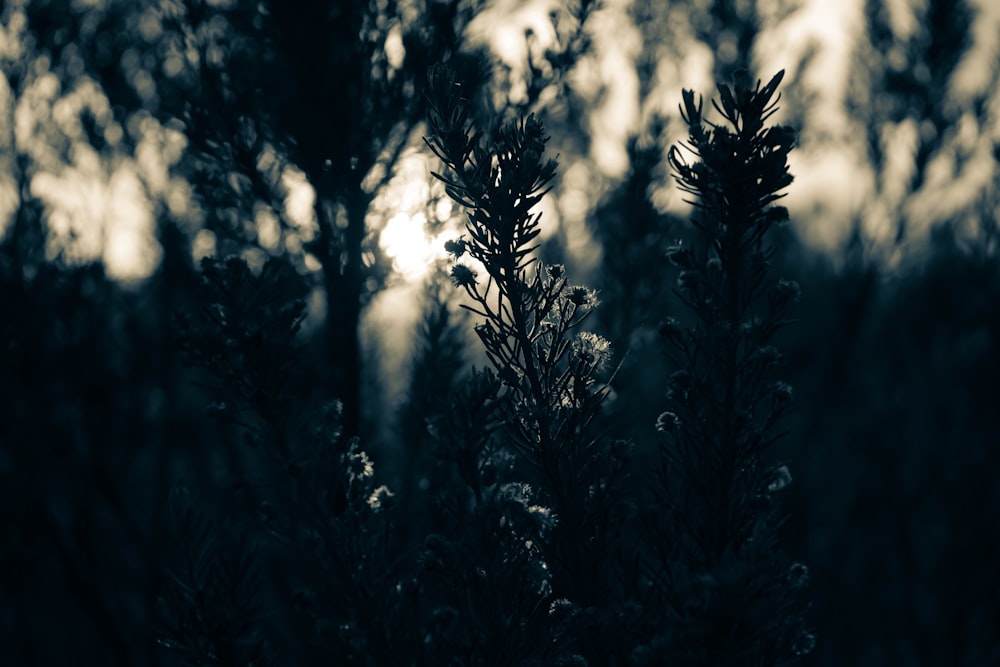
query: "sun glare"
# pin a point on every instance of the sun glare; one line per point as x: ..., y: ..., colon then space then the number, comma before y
x: 405, y: 239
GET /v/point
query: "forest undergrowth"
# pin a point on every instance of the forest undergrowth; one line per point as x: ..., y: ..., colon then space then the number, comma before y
x: 536, y: 536
x: 627, y: 478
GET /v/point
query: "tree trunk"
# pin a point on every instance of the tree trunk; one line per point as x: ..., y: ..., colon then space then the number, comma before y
x: 340, y: 254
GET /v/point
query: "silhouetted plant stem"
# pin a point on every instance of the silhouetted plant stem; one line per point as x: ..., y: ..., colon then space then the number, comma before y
x: 716, y: 487
x: 529, y: 313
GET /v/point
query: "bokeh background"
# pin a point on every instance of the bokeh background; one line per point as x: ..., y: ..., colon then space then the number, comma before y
x: 138, y: 136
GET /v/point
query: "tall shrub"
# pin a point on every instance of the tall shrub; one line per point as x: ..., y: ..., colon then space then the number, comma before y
x: 730, y: 596
x: 530, y: 321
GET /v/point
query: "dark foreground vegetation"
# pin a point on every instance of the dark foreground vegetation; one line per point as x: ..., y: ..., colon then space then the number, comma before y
x: 726, y: 451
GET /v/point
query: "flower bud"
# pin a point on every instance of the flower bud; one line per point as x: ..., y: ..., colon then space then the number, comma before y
x: 582, y: 297
x: 781, y: 395
x: 680, y: 256
x: 687, y: 280
x: 671, y: 329
x: 463, y: 276
x: 780, y: 479
x: 785, y: 292
x: 798, y: 575
x: 456, y: 247
x: 667, y: 422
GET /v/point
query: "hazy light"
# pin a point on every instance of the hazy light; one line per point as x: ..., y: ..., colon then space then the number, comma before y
x: 617, y: 45
x: 98, y: 204
x: 130, y: 251
x: 300, y: 201
x: 395, y: 52
x: 401, y: 209
x: 203, y: 244
x: 268, y: 228
x: 406, y: 241
x: 976, y: 72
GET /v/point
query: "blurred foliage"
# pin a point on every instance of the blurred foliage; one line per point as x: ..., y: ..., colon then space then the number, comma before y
x: 894, y: 435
